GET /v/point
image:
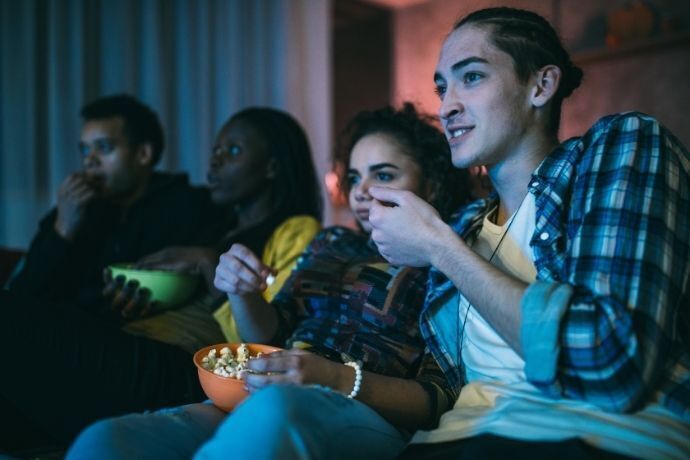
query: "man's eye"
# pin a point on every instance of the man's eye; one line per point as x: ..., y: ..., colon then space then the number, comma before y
x: 84, y: 149
x: 440, y: 91
x: 472, y: 77
x: 105, y: 146
x: 234, y: 150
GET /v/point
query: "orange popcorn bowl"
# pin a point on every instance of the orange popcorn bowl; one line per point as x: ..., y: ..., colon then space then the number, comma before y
x: 225, y: 392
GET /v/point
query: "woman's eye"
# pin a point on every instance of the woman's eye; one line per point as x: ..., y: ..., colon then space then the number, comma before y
x: 384, y: 176
x: 229, y: 150
x: 352, y: 179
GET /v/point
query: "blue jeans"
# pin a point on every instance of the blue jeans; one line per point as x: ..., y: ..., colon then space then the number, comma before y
x: 286, y: 422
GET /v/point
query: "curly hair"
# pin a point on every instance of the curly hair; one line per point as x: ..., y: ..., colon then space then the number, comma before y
x: 421, y: 140
x: 532, y: 43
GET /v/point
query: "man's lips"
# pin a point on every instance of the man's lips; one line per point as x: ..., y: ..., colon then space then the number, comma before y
x: 94, y: 179
x: 363, y: 214
x: 455, y: 133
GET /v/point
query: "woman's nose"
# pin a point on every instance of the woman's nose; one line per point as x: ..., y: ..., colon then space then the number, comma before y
x: 362, y: 191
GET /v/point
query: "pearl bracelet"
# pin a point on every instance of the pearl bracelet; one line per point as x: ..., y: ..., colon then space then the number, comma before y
x: 358, y: 378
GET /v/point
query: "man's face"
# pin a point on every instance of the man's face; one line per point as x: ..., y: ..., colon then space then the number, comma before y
x: 485, y: 110
x: 111, y: 166
x: 239, y: 166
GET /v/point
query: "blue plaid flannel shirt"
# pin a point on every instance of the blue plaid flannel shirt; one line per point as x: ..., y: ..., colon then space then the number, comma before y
x: 607, y: 320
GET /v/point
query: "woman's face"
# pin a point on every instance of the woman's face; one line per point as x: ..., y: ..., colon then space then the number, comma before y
x: 239, y: 166
x: 378, y: 159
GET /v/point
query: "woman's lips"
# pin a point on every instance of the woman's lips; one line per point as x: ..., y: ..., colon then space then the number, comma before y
x: 363, y: 214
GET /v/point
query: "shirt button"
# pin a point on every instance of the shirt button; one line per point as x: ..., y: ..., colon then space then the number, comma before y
x: 544, y: 236
x: 534, y: 184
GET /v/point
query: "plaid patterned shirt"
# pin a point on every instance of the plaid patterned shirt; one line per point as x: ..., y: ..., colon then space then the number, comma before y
x: 608, y: 319
x: 343, y: 297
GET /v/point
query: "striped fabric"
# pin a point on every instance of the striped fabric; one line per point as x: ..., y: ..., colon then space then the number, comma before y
x: 343, y: 297
x: 612, y: 252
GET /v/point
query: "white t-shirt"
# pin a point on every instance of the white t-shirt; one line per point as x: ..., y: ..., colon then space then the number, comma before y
x: 498, y: 399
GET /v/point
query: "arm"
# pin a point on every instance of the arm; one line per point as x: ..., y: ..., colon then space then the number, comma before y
x: 184, y: 259
x: 242, y: 276
x: 281, y: 253
x: 429, y: 241
x: 603, y: 326
x: 404, y: 403
x: 608, y: 332
x: 55, y: 245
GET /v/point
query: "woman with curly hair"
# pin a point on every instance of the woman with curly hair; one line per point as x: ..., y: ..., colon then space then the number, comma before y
x: 354, y: 379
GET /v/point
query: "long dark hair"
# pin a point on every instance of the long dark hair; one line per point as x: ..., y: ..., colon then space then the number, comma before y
x: 532, y: 43
x: 296, y: 187
x: 421, y: 140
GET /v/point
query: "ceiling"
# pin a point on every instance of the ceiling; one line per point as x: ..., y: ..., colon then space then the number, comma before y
x: 395, y: 4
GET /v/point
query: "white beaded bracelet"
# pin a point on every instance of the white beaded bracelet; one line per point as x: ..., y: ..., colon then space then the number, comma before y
x: 358, y: 378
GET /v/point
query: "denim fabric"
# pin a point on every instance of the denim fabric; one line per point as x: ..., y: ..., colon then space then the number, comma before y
x: 286, y: 422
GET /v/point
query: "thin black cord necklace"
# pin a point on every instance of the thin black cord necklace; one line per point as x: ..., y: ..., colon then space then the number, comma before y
x: 461, y: 335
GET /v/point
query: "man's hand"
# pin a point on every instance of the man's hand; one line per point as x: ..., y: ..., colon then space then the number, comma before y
x: 241, y: 272
x: 74, y: 195
x: 403, y: 226
x: 126, y: 297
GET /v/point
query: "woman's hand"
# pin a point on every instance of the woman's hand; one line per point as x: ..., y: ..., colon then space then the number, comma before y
x: 297, y: 367
x: 241, y: 272
x: 183, y: 259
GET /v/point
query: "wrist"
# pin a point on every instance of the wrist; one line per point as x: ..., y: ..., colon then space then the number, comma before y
x: 353, y: 383
x: 65, y: 232
x: 441, y: 244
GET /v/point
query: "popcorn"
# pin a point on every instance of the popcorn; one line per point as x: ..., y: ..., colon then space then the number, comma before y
x: 227, y: 364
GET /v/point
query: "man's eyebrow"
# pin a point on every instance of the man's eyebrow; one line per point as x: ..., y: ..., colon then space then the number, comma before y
x: 459, y: 65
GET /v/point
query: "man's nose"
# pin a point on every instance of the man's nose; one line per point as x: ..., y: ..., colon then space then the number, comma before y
x: 91, y: 157
x: 451, y: 104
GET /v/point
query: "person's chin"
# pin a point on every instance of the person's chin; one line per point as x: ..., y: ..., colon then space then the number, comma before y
x: 364, y: 225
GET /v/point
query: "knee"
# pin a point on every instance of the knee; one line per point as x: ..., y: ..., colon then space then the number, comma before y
x: 96, y: 440
x: 275, y: 417
x: 273, y: 406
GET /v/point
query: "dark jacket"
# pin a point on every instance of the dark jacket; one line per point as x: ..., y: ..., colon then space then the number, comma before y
x: 170, y: 213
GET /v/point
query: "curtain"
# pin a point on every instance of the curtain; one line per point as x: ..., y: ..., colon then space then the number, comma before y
x: 195, y: 62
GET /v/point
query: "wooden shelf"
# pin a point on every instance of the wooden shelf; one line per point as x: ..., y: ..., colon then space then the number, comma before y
x: 633, y: 48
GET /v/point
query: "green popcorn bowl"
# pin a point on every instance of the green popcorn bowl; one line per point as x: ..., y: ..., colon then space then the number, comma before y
x: 169, y: 289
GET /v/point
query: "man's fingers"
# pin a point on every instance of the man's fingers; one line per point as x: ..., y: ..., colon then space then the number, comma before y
x: 137, y: 305
x: 387, y: 196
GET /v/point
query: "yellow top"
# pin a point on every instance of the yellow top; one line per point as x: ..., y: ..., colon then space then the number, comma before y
x: 281, y: 252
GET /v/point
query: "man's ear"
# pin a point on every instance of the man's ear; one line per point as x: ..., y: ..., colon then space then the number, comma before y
x: 144, y: 155
x: 546, y: 83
